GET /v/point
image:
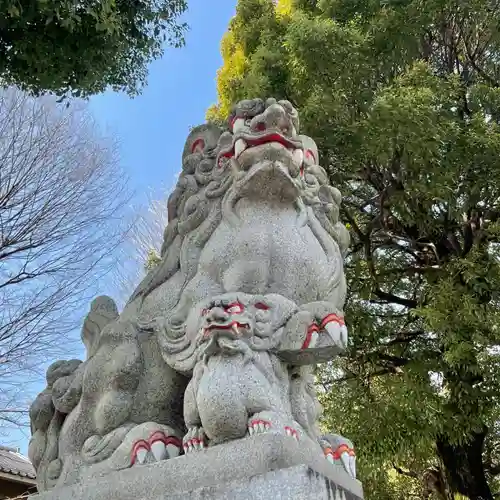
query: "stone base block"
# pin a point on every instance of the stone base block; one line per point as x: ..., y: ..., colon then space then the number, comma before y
x: 267, y: 466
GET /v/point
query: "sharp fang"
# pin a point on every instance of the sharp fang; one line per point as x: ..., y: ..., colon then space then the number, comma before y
x: 261, y: 427
x: 239, y: 146
x: 173, y: 451
x: 330, y: 458
x: 159, y: 450
x: 298, y: 157
x: 344, y: 457
x: 235, y: 329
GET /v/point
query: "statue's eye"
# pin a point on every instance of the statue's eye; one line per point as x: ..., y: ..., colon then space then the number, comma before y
x: 235, y: 308
x: 261, y: 305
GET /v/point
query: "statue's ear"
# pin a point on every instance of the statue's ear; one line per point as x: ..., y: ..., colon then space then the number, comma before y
x: 201, y: 138
x: 311, y: 154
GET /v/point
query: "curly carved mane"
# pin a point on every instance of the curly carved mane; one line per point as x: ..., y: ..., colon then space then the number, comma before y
x: 207, y: 186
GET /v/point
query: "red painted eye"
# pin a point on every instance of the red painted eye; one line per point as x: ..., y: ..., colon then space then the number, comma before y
x: 198, y: 146
x: 261, y: 305
x: 235, y: 308
x: 204, y: 312
x: 260, y: 127
x: 310, y: 155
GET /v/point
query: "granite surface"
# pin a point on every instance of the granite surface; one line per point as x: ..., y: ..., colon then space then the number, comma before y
x: 261, y: 466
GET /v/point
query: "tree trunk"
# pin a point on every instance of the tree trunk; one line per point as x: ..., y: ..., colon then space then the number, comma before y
x: 464, y: 466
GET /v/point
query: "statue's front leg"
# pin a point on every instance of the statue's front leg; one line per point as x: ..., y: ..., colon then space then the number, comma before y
x: 195, y: 439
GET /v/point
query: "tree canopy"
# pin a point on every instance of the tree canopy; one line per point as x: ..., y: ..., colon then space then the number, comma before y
x: 82, y: 48
x: 402, y: 97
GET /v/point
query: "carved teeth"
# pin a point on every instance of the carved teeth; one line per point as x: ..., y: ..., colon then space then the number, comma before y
x: 159, y: 450
x: 235, y: 329
x: 298, y: 157
x: 173, y: 451
x: 330, y: 458
x: 239, y: 146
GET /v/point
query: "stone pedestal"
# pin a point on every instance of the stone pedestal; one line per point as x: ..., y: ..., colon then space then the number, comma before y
x: 267, y: 466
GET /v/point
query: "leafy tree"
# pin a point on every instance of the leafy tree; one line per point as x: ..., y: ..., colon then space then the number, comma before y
x: 402, y: 97
x: 84, y: 47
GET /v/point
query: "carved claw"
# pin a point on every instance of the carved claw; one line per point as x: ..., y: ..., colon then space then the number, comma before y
x: 290, y: 431
x: 258, y: 426
x: 194, y: 440
x: 336, y: 329
x: 158, y: 447
x: 140, y: 451
x: 343, y: 454
x: 163, y: 446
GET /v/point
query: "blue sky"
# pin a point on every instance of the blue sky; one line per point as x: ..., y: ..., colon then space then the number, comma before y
x: 152, y: 127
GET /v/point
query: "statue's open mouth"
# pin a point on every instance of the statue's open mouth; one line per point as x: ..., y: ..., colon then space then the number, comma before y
x: 233, y: 329
x: 245, y: 141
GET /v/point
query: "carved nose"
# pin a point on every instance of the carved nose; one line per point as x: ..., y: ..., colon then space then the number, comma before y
x: 274, y: 117
x: 217, y: 314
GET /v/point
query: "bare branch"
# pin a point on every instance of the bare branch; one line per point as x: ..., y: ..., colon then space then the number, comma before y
x: 63, y: 202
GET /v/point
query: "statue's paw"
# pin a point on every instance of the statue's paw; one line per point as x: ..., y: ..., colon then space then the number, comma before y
x: 334, y: 325
x: 163, y: 446
x: 258, y: 426
x: 342, y: 454
x: 194, y: 440
x: 292, y: 432
x: 159, y: 446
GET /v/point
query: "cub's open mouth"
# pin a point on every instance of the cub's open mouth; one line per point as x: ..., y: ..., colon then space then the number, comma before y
x: 233, y: 326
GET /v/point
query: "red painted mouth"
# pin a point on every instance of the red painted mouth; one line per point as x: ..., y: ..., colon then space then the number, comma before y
x: 258, y: 141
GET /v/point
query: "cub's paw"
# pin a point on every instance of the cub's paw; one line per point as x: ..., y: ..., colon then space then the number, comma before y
x: 194, y: 440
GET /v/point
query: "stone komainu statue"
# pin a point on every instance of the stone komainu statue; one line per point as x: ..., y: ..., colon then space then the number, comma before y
x: 218, y: 341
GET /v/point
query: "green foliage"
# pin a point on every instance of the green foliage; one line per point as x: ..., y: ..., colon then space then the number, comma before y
x: 402, y: 97
x: 63, y: 46
x: 152, y: 260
